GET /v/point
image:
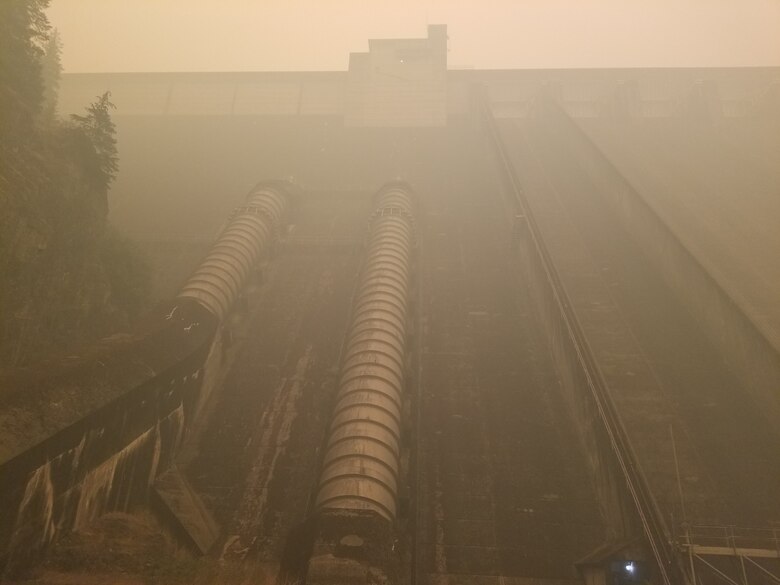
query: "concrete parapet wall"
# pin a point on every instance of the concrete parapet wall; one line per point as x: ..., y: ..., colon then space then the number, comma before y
x: 89, y: 435
x: 410, y: 94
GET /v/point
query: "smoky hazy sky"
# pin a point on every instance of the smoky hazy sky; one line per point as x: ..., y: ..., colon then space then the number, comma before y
x: 268, y: 35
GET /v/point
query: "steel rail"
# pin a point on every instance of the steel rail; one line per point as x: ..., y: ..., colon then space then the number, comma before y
x: 647, y: 510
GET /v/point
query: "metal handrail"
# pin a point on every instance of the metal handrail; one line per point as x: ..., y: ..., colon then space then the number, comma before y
x: 727, y: 536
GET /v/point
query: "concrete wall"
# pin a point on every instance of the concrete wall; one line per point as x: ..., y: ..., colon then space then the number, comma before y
x: 208, y: 94
x: 59, y: 467
x: 420, y: 91
x: 648, y: 93
x: 740, y: 341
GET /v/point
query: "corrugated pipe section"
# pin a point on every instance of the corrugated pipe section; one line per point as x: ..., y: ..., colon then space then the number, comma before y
x: 360, y: 468
x: 219, y: 278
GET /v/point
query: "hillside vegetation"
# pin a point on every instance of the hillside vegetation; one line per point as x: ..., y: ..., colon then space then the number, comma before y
x: 65, y: 275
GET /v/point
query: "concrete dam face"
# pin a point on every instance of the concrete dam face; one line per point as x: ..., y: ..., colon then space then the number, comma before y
x: 473, y: 327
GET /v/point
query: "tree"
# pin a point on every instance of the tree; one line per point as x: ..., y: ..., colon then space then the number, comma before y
x: 24, y: 29
x: 63, y: 275
x: 98, y: 127
x: 51, y: 71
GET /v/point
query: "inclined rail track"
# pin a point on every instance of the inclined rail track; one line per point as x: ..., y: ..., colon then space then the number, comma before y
x: 649, y: 515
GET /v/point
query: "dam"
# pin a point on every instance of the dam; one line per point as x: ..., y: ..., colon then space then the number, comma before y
x: 430, y: 326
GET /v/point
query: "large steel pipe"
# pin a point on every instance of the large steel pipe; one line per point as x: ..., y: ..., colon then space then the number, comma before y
x: 360, y: 468
x: 219, y: 278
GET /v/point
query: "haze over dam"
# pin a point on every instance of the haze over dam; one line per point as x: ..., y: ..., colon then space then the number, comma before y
x: 473, y: 327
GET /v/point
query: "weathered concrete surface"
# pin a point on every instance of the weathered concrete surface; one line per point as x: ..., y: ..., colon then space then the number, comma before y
x: 716, y: 183
x: 504, y: 490
x: 256, y: 462
x: 707, y: 223
x: 183, y: 509
x: 88, y: 435
x: 356, y: 547
x: 671, y: 386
